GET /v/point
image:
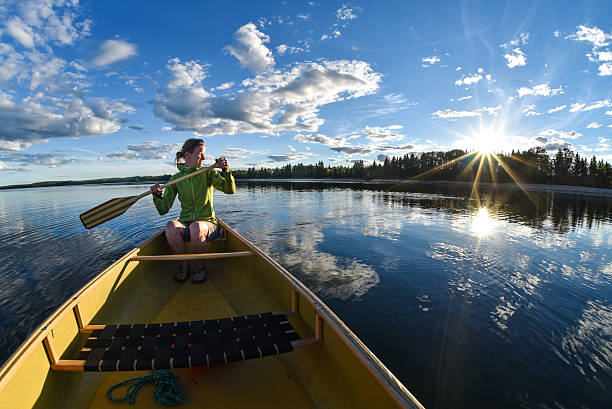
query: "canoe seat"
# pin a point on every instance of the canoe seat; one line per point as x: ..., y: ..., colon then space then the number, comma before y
x: 130, y: 347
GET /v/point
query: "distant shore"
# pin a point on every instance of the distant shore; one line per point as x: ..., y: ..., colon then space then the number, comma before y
x: 394, y: 185
x: 530, y: 187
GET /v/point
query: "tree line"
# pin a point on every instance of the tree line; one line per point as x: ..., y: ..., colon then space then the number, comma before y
x: 531, y: 166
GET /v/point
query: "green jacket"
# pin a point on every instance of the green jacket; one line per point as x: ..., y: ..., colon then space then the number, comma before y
x: 195, y: 194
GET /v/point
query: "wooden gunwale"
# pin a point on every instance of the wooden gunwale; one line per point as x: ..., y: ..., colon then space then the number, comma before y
x: 20, y: 355
x: 396, y: 389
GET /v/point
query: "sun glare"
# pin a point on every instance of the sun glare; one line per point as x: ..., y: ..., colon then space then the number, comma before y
x: 485, y: 143
x: 482, y: 223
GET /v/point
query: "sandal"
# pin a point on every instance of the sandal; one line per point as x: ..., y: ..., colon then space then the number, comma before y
x: 199, y: 276
x: 181, y: 275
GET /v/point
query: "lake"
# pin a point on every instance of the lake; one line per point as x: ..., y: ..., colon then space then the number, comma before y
x: 501, y: 300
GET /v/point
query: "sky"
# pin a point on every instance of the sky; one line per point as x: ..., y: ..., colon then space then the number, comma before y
x: 113, y: 88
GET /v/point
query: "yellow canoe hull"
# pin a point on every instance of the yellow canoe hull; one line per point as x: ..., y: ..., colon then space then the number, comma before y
x: 336, y: 372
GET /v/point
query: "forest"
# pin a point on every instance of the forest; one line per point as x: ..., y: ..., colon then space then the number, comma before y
x: 531, y: 166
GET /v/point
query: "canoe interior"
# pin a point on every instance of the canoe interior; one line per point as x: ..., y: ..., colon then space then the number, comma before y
x: 327, y: 375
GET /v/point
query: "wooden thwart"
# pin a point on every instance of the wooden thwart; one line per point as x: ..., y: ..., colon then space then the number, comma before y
x: 198, y: 256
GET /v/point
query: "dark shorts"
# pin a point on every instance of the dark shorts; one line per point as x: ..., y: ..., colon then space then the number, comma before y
x: 187, y: 234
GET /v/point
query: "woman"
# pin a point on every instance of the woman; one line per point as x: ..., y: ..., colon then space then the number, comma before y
x: 197, y: 222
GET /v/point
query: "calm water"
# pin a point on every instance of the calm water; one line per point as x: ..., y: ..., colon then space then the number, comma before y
x: 499, y: 308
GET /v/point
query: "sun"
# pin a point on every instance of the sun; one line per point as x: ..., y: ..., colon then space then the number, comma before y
x: 484, y: 142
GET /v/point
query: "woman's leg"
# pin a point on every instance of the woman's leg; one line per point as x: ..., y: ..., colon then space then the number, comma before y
x: 199, y: 234
x: 174, y: 235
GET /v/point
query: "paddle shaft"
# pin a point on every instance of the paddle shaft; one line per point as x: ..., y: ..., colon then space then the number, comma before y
x: 197, y: 172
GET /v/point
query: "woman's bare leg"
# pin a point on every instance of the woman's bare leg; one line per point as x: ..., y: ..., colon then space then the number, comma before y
x: 199, y: 233
x: 174, y: 235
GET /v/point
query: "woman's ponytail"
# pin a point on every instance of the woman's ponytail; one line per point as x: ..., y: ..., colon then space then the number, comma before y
x: 179, y: 155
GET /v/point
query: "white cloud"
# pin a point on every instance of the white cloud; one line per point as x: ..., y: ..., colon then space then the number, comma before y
x: 605, y: 70
x: 32, y: 121
x: 604, y: 55
x: 11, y: 62
x: 561, y: 134
x: 530, y: 111
x: 516, y: 58
x: 225, y: 85
x: 334, y: 34
x: 36, y: 23
x: 291, y: 148
x: 187, y: 75
x: 354, y: 150
x: 320, y: 139
x: 454, y: 114
x: 594, y: 125
x: 464, y: 98
x: 430, y: 60
x: 595, y: 36
x: 272, y: 101
x: 112, y: 51
x: 290, y: 157
x: 578, y: 107
x: 552, y: 144
x: 166, y: 128
x: 575, y: 107
x: 5, y: 167
x: 386, y: 133
x: 599, y: 104
x: 284, y: 49
x: 20, y: 32
x: 395, y: 99
x: 147, y: 150
x: 469, y: 80
x: 557, y: 109
x: 448, y: 114
x: 522, y: 39
x: 50, y: 160
x: 608, y: 112
x: 539, y: 90
x: 248, y: 47
x: 490, y: 110
x: 345, y: 13
x: 369, y: 149
x: 240, y: 153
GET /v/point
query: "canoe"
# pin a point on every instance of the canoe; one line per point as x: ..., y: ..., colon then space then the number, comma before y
x: 251, y: 336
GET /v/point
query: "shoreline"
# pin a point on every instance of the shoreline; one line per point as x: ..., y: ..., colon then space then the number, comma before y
x: 531, y: 187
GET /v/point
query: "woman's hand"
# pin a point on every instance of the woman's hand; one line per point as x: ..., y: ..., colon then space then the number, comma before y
x: 156, y: 190
x: 221, y: 163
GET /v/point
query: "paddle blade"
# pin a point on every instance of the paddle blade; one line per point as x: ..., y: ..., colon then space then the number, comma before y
x: 107, y: 211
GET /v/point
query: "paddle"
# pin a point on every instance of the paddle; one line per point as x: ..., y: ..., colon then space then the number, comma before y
x: 116, y: 207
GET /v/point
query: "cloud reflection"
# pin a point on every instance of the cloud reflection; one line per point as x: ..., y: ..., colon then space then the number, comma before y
x: 590, y: 338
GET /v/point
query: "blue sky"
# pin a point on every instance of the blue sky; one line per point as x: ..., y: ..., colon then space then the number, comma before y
x: 104, y: 89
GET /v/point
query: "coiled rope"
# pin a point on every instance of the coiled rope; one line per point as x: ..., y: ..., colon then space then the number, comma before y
x: 167, y: 392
